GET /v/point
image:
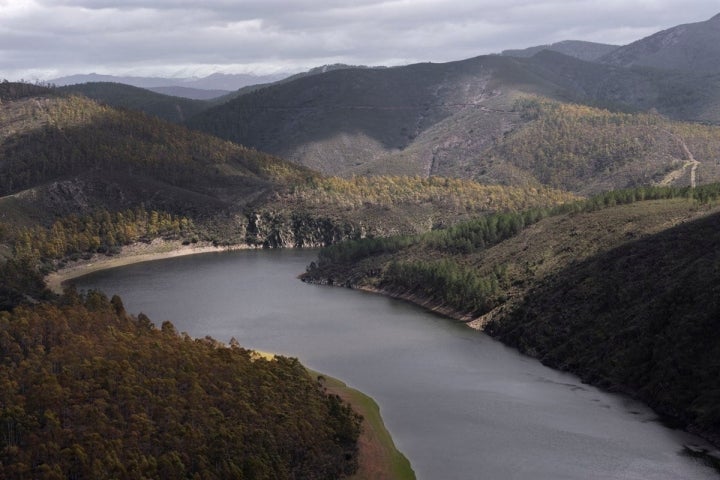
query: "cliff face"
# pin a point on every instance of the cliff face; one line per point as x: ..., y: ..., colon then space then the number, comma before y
x: 280, y: 230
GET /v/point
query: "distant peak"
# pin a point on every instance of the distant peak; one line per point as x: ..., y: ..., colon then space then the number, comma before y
x: 716, y: 18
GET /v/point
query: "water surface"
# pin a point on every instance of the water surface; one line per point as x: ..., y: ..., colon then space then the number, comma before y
x: 459, y: 404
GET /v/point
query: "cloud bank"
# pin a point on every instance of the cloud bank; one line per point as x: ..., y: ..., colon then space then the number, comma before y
x: 41, y: 39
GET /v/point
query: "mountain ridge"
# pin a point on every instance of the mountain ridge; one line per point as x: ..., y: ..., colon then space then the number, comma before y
x: 690, y: 47
x: 583, y: 50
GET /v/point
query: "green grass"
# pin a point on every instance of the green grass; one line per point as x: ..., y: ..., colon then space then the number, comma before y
x: 379, y: 458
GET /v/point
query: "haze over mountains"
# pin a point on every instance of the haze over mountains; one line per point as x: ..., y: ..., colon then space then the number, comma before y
x: 222, y: 82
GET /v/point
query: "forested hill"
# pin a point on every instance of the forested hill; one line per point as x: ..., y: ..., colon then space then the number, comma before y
x: 621, y: 289
x: 590, y: 150
x: 77, y: 177
x: 442, y: 119
x: 88, y: 391
x: 81, y: 152
x: 168, y: 107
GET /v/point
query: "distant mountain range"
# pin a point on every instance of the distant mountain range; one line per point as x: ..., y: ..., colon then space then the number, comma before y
x: 458, y: 119
x: 465, y: 119
x: 225, y: 82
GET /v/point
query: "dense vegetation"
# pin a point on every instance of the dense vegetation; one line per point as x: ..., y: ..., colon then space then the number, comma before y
x: 67, y: 159
x: 87, y: 391
x: 584, y: 149
x: 102, y: 232
x: 50, y: 138
x: 580, y: 286
x: 485, y: 231
x: 642, y: 317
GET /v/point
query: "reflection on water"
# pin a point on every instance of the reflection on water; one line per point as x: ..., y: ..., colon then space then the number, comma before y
x: 459, y: 404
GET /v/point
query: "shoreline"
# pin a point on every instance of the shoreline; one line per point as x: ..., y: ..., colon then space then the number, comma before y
x: 129, y: 255
x: 709, y: 453
x: 378, y: 457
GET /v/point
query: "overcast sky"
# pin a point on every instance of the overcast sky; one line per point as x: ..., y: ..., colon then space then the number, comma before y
x: 42, y: 39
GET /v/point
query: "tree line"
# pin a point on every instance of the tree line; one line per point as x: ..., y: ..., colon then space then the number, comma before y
x: 102, y: 231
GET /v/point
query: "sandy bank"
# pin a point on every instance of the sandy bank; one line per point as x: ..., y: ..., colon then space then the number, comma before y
x: 136, y: 253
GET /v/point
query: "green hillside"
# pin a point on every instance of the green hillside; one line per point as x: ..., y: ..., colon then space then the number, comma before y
x: 577, y: 286
x: 81, y: 154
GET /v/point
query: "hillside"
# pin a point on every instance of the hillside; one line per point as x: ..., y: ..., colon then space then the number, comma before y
x: 162, y: 105
x: 191, y: 93
x: 577, y: 287
x: 340, y: 120
x: 439, y: 119
x: 588, y: 51
x: 78, y: 178
x: 55, y: 143
x: 589, y: 150
x: 693, y: 47
x: 89, y: 391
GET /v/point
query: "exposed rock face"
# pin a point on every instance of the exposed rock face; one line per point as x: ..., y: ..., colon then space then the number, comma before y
x: 278, y: 230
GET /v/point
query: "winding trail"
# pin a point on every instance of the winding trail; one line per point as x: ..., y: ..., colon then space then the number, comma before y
x: 689, y: 162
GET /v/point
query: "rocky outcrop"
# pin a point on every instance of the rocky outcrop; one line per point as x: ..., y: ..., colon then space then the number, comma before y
x: 281, y: 230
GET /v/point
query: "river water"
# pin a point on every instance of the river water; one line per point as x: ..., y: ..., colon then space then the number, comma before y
x: 458, y: 404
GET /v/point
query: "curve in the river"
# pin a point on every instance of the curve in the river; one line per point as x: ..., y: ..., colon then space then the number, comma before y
x: 459, y: 404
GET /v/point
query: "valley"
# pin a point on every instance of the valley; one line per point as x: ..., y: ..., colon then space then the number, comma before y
x: 564, y: 199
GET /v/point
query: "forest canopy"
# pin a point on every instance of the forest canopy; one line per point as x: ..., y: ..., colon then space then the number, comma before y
x: 88, y: 391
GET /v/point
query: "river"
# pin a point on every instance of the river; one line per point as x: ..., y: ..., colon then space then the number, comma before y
x: 458, y: 404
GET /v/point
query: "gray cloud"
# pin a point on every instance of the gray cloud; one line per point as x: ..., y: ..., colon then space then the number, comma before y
x: 46, y: 38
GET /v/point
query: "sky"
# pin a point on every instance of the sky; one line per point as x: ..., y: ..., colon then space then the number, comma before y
x: 45, y: 39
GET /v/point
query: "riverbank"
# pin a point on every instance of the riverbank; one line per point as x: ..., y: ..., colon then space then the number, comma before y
x: 378, y: 457
x: 136, y: 253
x: 709, y: 454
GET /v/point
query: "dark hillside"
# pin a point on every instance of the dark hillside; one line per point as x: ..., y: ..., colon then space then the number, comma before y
x: 55, y: 142
x: 642, y: 317
x: 693, y: 47
x: 340, y: 119
x: 443, y: 119
x: 622, y: 290
x: 174, y: 109
x: 588, y: 51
